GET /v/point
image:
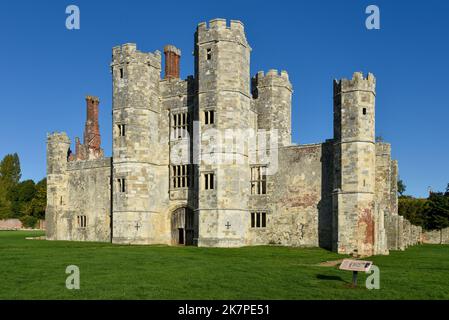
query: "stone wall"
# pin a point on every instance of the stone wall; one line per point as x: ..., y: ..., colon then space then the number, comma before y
x: 89, y: 195
x: 436, y: 236
x: 16, y: 224
x: 298, y: 199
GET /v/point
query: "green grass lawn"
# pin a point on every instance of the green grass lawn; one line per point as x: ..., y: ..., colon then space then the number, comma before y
x: 35, y: 269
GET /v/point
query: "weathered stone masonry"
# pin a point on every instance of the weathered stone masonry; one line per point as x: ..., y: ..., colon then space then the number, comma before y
x: 340, y: 194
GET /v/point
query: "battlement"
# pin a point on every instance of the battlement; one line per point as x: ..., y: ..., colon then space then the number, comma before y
x: 272, y: 78
x: 357, y: 83
x: 56, y: 137
x: 218, y: 29
x: 383, y: 148
x: 128, y: 52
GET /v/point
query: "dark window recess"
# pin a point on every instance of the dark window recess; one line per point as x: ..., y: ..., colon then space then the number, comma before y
x: 121, y: 185
x: 121, y: 130
x: 121, y: 73
x: 209, y: 54
x: 82, y: 221
x: 364, y: 111
x: 208, y: 181
x: 209, y: 117
x: 258, y: 219
x: 180, y: 125
x: 181, y: 176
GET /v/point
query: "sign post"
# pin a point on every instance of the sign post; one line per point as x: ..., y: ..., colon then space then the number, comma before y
x: 355, y: 266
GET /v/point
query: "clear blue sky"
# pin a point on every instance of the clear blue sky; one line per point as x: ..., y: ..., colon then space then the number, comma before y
x: 47, y: 70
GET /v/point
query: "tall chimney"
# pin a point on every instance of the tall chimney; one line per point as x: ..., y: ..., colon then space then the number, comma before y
x: 172, y: 57
x: 92, y: 138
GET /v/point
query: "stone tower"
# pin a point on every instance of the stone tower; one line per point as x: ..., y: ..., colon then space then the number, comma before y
x: 137, y: 183
x: 355, y: 163
x: 222, y: 57
x: 58, y: 145
x: 273, y: 94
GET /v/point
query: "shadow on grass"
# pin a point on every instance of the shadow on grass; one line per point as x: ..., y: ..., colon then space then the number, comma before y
x: 330, y: 278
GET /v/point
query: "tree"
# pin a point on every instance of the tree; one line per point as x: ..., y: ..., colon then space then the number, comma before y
x: 39, y: 202
x: 438, y: 213
x: 10, y: 174
x: 414, y: 210
x: 447, y: 191
x: 401, y: 187
x: 21, y: 196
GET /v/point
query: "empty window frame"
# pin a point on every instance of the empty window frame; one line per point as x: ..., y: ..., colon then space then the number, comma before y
x: 259, y: 180
x: 121, y: 130
x: 121, y: 184
x: 82, y: 221
x: 209, y: 54
x: 209, y: 117
x: 121, y: 73
x: 181, y: 176
x: 209, y: 183
x: 259, y: 219
x: 180, y: 125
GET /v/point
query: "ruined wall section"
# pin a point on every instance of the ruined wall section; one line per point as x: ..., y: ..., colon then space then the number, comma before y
x: 300, y: 206
x: 58, y: 145
x: 89, y: 196
x: 436, y: 236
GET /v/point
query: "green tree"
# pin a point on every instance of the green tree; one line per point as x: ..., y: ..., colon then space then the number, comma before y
x: 401, y: 187
x: 438, y: 212
x: 10, y: 169
x: 21, y: 196
x: 10, y: 174
x: 39, y: 202
x: 414, y: 210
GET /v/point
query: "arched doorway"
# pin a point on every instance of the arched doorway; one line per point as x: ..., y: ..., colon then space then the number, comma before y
x: 182, y: 227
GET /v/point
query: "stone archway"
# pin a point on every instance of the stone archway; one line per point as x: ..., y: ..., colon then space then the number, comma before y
x: 182, y: 227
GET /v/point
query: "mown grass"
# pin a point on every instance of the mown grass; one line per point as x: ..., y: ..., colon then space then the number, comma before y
x: 35, y: 269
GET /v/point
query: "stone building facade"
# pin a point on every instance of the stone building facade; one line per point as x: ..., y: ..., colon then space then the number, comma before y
x: 209, y: 161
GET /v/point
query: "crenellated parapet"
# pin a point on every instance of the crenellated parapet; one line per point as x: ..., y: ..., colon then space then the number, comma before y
x: 218, y: 30
x: 271, y: 79
x: 358, y: 83
x: 128, y: 53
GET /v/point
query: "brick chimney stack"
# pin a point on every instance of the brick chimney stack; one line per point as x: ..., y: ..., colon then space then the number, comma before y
x: 92, y: 138
x: 172, y: 57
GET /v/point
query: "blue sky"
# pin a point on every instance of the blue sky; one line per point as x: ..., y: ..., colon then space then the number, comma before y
x: 47, y: 70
